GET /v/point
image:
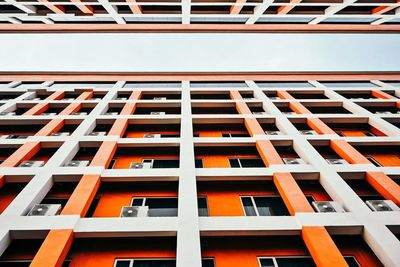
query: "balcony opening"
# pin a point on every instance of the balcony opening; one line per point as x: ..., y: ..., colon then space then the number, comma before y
x: 289, y: 155
x: 330, y: 156
x: 303, y: 127
x: 381, y: 155
x: 242, y: 198
x: 308, y: 94
x: 352, y: 128
x: 157, y: 109
x: 272, y: 95
x: 211, y: 95
x: 9, y: 95
x: 256, y: 108
x: 68, y: 128
x: 101, y: 128
x: 9, y: 192
x: 269, y: 126
x: 114, y: 109
x: 217, y: 128
x: 213, y: 108
x: 19, y: 129
x: 160, y: 96
x: 380, y: 108
x: 145, y: 158
x: 357, y: 95
x: 83, y: 157
x: 229, y: 156
x: 153, y: 129
x: 40, y: 158
x: 6, y: 151
x: 326, y: 108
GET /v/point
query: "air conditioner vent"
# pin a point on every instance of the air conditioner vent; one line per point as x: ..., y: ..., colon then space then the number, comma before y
x: 79, y: 113
x: 382, y: 205
x: 159, y: 98
x: 77, y: 163
x: 141, y: 165
x: 308, y: 132
x: 336, y: 161
x: 157, y: 113
x: 111, y: 113
x: 293, y: 161
x: 152, y: 136
x: 97, y: 134
x: 6, y: 113
x: 259, y: 113
x: 48, y: 114
x: 45, y: 210
x: 60, y: 134
x: 327, y: 206
x: 273, y: 132
x: 134, y: 211
x: 31, y: 163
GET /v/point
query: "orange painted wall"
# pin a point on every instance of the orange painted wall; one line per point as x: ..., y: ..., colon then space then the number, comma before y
x: 224, y: 198
x: 140, y: 134
x: 385, y: 159
x: 112, y: 199
x: 222, y: 160
x: 123, y: 161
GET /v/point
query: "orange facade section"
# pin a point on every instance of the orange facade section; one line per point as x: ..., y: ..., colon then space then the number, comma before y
x: 321, y: 247
x: 52, y: 127
x: 319, y: 126
x: 25, y: 152
x: 384, y: 185
x: 291, y: 193
x: 349, y: 153
x: 54, y: 249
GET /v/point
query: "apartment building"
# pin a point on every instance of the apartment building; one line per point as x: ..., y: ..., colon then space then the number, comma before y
x: 185, y: 170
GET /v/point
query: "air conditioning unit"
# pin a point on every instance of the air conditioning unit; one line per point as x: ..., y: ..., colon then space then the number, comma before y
x: 6, y: 136
x: 382, y: 205
x: 35, y: 99
x: 259, y: 113
x: 336, y: 161
x: 111, y: 113
x: 31, y: 163
x: 274, y: 97
x: 356, y: 98
x: 77, y: 163
x: 7, y: 113
x: 45, y: 210
x: 21, y: 136
x: 69, y: 99
x: 327, y: 206
x: 121, y: 98
x: 60, y: 134
x: 308, y: 132
x: 97, y: 134
x: 79, y: 113
x: 294, y: 161
x: 134, y: 211
x: 249, y: 98
x: 288, y: 112
x: 383, y: 112
x: 159, y: 98
x: 141, y: 165
x: 152, y: 136
x: 48, y: 114
x: 157, y: 113
x: 273, y: 132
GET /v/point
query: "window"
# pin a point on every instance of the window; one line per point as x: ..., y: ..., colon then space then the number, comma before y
x: 299, y: 261
x: 165, y: 163
x: 264, y: 206
x: 155, y: 263
x: 198, y: 163
x: 373, y: 161
x: 202, y: 207
x: 170, y: 136
x: 246, y: 163
x: 167, y: 206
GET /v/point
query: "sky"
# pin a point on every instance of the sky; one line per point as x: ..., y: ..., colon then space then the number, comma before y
x: 188, y: 52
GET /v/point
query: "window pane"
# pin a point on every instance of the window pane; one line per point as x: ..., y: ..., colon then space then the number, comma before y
x: 270, y: 206
x: 122, y: 263
x: 137, y: 202
x: 198, y: 163
x: 162, y: 207
x: 252, y: 163
x: 202, y: 206
x: 248, y: 206
x: 154, y: 263
x: 267, y: 263
x: 351, y: 261
x: 295, y: 262
x: 166, y: 163
x: 207, y: 263
x: 234, y: 163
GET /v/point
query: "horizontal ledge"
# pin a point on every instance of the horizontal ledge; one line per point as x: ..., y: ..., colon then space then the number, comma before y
x: 197, y: 76
x: 209, y: 28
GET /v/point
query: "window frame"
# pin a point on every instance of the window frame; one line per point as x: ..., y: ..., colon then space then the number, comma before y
x: 259, y: 258
x: 255, y: 206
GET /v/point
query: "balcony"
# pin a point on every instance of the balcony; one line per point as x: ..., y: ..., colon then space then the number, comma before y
x: 219, y: 128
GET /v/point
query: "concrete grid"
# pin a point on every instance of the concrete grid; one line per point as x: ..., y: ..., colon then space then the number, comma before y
x: 188, y: 227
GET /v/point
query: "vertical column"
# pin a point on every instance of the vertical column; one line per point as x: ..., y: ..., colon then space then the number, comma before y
x: 54, y: 249
x: 322, y: 248
x: 291, y: 193
x: 76, y: 105
x: 188, y: 236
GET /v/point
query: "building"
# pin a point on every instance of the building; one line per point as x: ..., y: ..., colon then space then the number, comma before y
x: 268, y: 170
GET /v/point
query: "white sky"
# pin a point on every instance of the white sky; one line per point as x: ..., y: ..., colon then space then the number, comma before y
x: 185, y: 52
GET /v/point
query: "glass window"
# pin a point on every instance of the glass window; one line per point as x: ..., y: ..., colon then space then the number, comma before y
x: 348, y: 84
x: 202, y: 206
x: 123, y: 263
x: 264, y: 206
x: 295, y: 262
x: 207, y: 263
x: 198, y: 163
x: 246, y: 163
x: 268, y: 262
x: 154, y: 263
x: 283, y: 84
x: 165, y: 163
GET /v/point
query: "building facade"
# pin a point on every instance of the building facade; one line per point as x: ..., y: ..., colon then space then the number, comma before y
x: 190, y: 170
